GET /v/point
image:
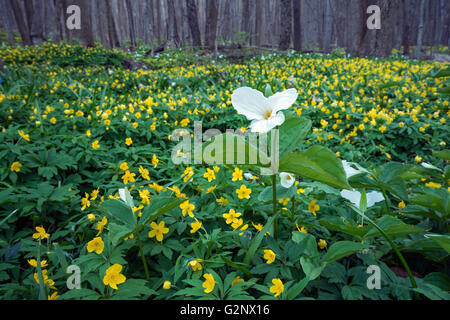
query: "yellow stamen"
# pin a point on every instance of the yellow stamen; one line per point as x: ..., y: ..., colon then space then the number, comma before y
x: 268, y: 114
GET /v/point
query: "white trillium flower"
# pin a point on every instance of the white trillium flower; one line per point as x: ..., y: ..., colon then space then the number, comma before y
x: 287, y: 179
x: 265, y: 113
x: 349, y: 170
x: 355, y: 197
x: 122, y: 195
x: 247, y: 175
x: 430, y: 166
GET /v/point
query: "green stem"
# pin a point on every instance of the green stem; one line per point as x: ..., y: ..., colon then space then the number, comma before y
x: 274, y: 201
x: 402, y: 259
x: 43, y: 294
x: 387, y: 201
x: 147, y: 276
x: 318, y: 286
x: 292, y: 209
x: 396, y: 250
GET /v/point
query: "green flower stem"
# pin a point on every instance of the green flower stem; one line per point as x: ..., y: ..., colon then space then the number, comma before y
x: 402, y: 259
x: 387, y: 201
x: 318, y: 286
x: 395, y: 248
x: 274, y: 201
x: 147, y: 276
x: 43, y: 294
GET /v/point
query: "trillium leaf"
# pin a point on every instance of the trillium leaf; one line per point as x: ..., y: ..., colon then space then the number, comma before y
x: 441, y: 239
x: 341, y: 249
x: 433, y: 292
x: 234, y: 149
x: 292, y: 132
x: 433, y: 198
x: 336, y: 224
x: 317, y: 163
x: 392, y: 227
x: 121, y: 211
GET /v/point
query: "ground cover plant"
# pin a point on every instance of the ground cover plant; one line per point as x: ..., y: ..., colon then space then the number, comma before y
x: 89, y: 190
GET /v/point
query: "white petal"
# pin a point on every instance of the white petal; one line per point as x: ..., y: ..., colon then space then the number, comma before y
x: 352, y: 196
x: 122, y: 195
x: 286, y: 179
x: 349, y: 171
x: 261, y: 126
x: 250, y: 103
x: 374, y: 197
x: 247, y: 175
x: 430, y: 166
x: 283, y: 100
x: 277, y: 119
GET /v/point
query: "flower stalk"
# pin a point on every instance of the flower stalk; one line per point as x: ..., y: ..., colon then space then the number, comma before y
x: 274, y: 201
x: 141, y: 252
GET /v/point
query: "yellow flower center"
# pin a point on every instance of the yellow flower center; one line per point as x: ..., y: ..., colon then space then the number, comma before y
x: 268, y: 114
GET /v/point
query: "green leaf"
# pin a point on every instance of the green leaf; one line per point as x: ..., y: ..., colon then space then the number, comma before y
x: 438, y: 279
x: 256, y: 241
x: 5, y: 196
x: 442, y: 73
x: 433, y: 292
x: 392, y: 227
x: 233, y: 149
x: 390, y: 178
x: 444, y: 90
x: 7, y: 217
x: 118, y: 231
x: 363, y: 201
x: 121, y: 211
x: 317, y: 163
x: 441, y: 239
x: 297, y: 289
x: 307, y: 242
x: 236, y: 266
x: 83, y: 294
x: 268, y: 91
x: 433, y: 198
x: 267, y: 194
x: 133, y: 289
x: 338, y: 224
x: 292, y: 132
x: 311, y: 267
x: 444, y: 154
x: 343, y: 249
x: 157, y: 207
x: 351, y: 293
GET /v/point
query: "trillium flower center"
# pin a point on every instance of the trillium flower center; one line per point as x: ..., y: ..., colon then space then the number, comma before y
x: 268, y: 114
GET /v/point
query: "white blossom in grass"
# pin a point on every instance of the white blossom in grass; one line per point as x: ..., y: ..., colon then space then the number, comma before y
x: 355, y: 197
x: 265, y: 113
x: 287, y: 179
x: 429, y: 166
x: 126, y: 197
x: 349, y: 170
x: 248, y: 176
x: 122, y: 195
